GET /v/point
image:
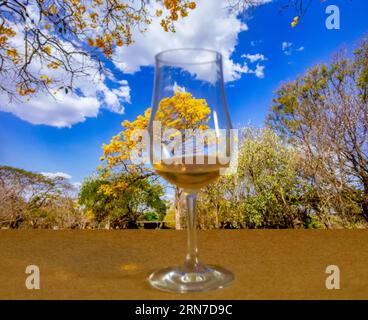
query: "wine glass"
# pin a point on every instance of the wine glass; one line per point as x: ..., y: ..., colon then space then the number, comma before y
x: 190, y: 147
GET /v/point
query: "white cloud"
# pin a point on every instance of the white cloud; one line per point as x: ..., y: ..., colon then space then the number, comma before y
x: 53, y: 175
x: 210, y: 26
x: 259, y: 72
x: 255, y: 43
x: 65, y: 109
x: 286, y: 45
x: 62, y: 112
x: 287, y: 48
x: 254, y: 57
x: 77, y: 185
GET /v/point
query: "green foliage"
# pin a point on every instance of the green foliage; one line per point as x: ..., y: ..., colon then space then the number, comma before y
x: 307, y: 169
x: 267, y: 190
x: 324, y: 115
x: 269, y: 168
x: 33, y: 200
x: 96, y: 203
x: 140, y: 199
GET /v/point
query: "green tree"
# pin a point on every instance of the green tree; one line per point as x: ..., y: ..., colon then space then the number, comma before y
x: 134, y: 198
x: 324, y: 115
x: 272, y: 186
x: 33, y: 200
x: 267, y: 190
x: 173, y: 112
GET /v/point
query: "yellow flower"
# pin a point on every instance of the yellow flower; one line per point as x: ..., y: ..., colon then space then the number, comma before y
x: 119, y: 42
x: 93, y: 15
x: 7, y: 31
x: 24, y: 89
x: 13, y: 53
x: 54, y: 65
x: 180, y: 111
x: 45, y: 79
x: 90, y: 42
x: 47, y: 49
x: 192, y: 5
x: 99, y: 42
x: 183, y: 13
x: 164, y: 25
x: 295, y: 21
x: 174, y: 16
x: 53, y: 9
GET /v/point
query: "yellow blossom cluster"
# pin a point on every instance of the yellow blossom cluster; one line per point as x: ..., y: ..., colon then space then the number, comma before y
x: 102, y: 25
x: 116, y: 18
x: 181, y: 111
x: 295, y: 21
x: 24, y: 89
x: 12, y: 53
x: 117, y: 152
x: 54, y: 64
x: 118, y: 187
x: 176, y: 8
x: 47, y: 49
x: 45, y: 79
x: 114, y: 189
x: 5, y: 36
x: 107, y: 41
x: 106, y: 189
x: 108, y: 23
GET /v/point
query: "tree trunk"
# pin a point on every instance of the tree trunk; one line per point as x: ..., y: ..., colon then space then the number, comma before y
x: 365, y: 210
x: 217, y: 224
x: 365, y: 202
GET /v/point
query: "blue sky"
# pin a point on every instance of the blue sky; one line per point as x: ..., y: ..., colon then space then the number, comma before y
x: 74, y: 148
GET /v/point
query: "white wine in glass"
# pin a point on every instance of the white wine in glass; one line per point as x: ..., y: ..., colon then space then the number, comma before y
x: 189, y: 106
x: 189, y: 176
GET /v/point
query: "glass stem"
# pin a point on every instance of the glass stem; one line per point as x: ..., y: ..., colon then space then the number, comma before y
x: 191, y: 261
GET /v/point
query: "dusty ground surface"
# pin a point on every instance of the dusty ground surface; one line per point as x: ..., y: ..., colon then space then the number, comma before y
x: 270, y: 264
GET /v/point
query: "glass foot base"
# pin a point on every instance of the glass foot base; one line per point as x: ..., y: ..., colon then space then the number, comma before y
x: 175, y: 279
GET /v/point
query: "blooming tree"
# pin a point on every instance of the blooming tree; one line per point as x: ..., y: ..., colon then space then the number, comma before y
x: 181, y: 111
x: 47, y: 44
